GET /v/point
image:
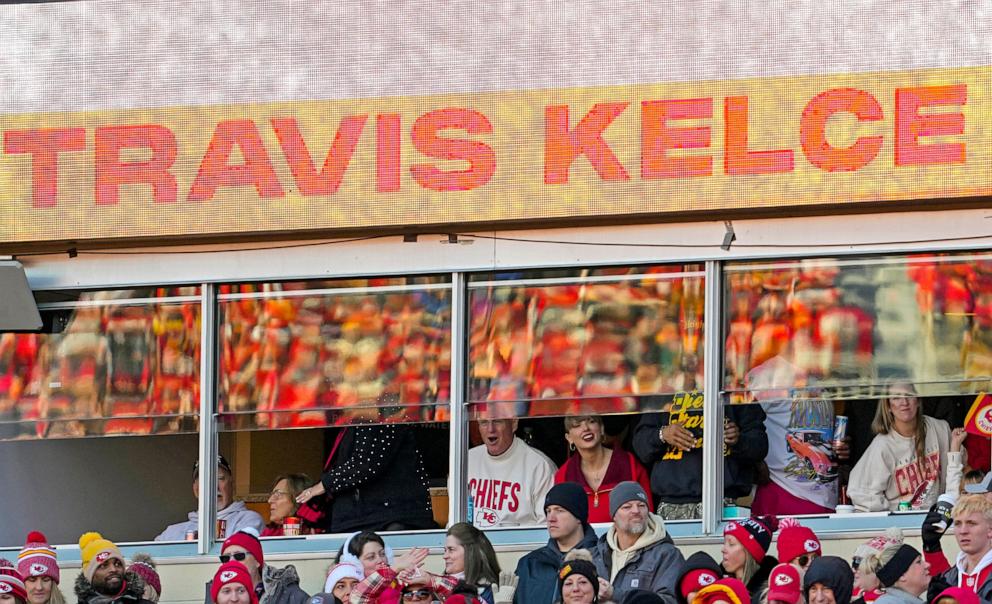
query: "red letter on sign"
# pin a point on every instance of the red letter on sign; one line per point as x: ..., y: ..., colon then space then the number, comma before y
x: 110, y: 173
x: 657, y: 138
x: 328, y: 180
x: 215, y: 172
x: 480, y: 157
x: 562, y: 146
x: 387, y: 152
x: 910, y: 125
x: 813, y: 125
x: 737, y: 159
x: 44, y: 145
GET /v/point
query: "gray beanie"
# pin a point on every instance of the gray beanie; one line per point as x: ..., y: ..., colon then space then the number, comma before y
x: 624, y: 492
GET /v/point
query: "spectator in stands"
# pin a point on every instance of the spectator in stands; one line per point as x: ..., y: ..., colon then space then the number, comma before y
x: 566, y: 507
x: 469, y: 556
x: 578, y: 581
x: 745, y: 553
x: 507, y: 478
x: 972, y: 517
x: 282, y: 502
x: 143, y: 566
x: 597, y: 468
x: 12, y: 590
x: 636, y: 552
x: 642, y: 596
x: 785, y: 586
x: 375, y: 480
x: 232, y: 584
x: 103, y: 579
x: 341, y: 580
x: 828, y: 580
x: 402, y: 579
x: 671, y: 442
x: 699, y: 570
x: 236, y: 515
x: 797, y: 545
x: 956, y: 595
x: 903, y: 573
x: 270, y: 584
x: 911, y: 458
x: 865, y: 563
x: 39, y: 568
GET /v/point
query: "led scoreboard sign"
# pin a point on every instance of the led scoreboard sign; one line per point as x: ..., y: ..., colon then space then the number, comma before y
x: 665, y: 150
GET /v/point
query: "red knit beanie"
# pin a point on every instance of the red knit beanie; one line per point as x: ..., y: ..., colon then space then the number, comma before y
x: 37, y: 558
x: 11, y: 582
x: 753, y: 535
x: 248, y: 541
x: 232, y: 572
x: 796, y: 540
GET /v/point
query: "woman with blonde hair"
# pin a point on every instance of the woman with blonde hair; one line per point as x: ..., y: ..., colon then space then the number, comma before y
x: 902, y: 573
x: 867, y: 589
x: 37, y: 564
x: 913, y: 459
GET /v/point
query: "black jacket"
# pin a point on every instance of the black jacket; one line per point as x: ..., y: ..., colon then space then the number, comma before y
x: 759, y: 582
x: 134, y: 591
x: 677, y: 477
x: 377, y: 479
x: 537, y: 572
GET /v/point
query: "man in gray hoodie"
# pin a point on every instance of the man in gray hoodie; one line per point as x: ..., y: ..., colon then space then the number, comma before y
x: 636, y: 552
x: 234, y: 513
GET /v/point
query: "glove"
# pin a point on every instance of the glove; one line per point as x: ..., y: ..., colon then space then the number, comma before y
x: 935, y: 524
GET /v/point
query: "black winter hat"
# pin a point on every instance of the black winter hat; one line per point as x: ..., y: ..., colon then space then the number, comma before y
x: 699, y: 561
x: 642, y: 596
x: 570, y: 496
x: 579, y: 562
x: 832, y: 572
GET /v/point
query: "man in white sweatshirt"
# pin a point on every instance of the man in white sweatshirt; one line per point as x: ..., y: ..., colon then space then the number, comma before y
x: 234, y: 513
x: 973, y: 531
x: 507, y: 478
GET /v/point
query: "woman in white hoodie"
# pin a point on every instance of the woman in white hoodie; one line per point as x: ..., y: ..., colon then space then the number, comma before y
x: 914, y: 458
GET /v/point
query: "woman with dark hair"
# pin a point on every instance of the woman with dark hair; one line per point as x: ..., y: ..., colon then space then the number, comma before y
x: 469, y: 557
x: 385, y: 576
x: 913, y: 458
x: 282, y: 503
x: 596, y: 467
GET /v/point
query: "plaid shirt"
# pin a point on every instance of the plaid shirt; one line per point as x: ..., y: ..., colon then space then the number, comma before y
x: 372, y: 587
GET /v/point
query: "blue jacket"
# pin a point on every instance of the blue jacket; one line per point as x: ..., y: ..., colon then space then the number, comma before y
x: 537, y: 572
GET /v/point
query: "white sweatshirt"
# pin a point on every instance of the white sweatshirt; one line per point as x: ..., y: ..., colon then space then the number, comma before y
x: 509, y: 489
x: 889, y: 471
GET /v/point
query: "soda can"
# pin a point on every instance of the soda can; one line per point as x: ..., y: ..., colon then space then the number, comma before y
x: 904, y: 506
x: 840, y: 430
x: 221, y: 528
x: 191, y: 535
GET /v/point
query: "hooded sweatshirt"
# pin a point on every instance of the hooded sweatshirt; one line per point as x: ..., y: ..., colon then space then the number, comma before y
x: 652, y: 562
x: 978, y: 576
x: 832, y: 572
x: 237, y: 516
x: 133, y: 591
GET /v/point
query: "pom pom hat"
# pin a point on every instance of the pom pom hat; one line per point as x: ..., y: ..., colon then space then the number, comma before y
x: 37, y: 558
x: 753, y: 534
x: 11, y: 582
x: 232, y: 572
x: 796, y: 540
x: 95, y: 550
x: 143, y: 566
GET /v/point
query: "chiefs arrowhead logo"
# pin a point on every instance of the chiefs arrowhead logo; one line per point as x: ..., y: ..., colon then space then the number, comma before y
x: 227, y: 575
x: 38, y: 569
x: 732, y: 526
x: 782, y: 579
x: 102, y: 557
x: 5, y: 588
x: 705, y: 580
x: 811, y: 545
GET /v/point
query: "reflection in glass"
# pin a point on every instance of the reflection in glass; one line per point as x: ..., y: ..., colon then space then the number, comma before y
x: 113, y: 366
x: 294, y: 357
x: 849, y: 327
x: 593, y: 342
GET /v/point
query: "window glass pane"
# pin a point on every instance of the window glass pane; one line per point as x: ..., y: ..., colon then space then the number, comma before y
x: 597, y: 341
x: 106, y: 363
x: 570, y: 370
x: 330, y: 353
x: 863, y: 368
x: 848, y: 327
